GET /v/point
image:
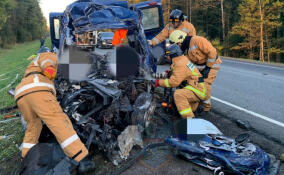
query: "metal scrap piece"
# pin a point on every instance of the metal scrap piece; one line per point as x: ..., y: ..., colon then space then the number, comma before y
x: 128, y: 138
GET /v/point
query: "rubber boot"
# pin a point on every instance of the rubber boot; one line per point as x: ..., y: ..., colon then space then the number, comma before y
x: 86, y: 165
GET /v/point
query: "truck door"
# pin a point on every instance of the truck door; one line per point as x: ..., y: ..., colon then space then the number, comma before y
x: 54, y: 23
x: 153, y: 22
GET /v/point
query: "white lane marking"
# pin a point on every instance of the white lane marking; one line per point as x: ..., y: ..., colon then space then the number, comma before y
x: 253, y: 64
x: 249, y: 112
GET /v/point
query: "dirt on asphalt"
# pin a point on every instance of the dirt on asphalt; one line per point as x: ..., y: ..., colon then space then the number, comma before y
x: 162, y: 160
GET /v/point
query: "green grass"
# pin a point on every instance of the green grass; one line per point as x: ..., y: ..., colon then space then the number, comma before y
x: 10, y: 146
x: 13, y: 61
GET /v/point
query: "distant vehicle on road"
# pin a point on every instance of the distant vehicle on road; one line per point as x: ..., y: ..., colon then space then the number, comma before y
x: 105, y: 40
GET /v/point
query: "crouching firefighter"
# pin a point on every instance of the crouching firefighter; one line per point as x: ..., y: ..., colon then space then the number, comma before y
x: 200, y: 52
x: 184, y: 71
x: 35, y: 96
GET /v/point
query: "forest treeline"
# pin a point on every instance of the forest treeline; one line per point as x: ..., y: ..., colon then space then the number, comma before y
x: 251, y: 29
x: 20, y: 21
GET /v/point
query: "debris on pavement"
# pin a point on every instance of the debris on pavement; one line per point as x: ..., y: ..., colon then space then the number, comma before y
x: 243, y: 124
x: 220, y: 153
x: 129, y: 138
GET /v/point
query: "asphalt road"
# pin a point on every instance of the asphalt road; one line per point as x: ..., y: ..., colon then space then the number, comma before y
x: 250, y: 92
x: 255, y: 87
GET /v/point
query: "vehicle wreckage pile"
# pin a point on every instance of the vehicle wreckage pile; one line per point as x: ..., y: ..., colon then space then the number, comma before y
x: 107, y: 113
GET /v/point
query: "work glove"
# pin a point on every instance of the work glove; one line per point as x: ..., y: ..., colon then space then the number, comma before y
x: 155, y: 83
x: 166, y: 74
x: 163, y: 75
x: 150, y: 42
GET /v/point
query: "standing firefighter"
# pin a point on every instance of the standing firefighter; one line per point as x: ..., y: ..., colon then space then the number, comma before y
x: 201, y: 52
x: 176, y: 22
x: 36, y: 99
x: 182, y: 70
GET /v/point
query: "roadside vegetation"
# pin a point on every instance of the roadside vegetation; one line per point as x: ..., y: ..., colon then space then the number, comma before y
x: 252, y: 29
x: 14, y: 62
x: 20, y: 21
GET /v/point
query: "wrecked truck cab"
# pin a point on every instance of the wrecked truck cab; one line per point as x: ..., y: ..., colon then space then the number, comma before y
x: 80, y: 17
x: 107, y: 112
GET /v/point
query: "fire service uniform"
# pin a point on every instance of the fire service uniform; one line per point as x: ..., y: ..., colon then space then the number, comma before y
x: 36, y: 99
x: 188, y: 97
x: 176, y: 16
x: 200, y: 52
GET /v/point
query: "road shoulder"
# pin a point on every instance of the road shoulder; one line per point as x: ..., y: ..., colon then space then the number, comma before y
x: 273, y: 64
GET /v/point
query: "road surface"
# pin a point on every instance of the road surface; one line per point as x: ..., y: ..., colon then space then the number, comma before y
x: 256, y: 88
x: 250, y: 92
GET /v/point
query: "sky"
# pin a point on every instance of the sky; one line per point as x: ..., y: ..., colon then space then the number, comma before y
x: 48, y: 6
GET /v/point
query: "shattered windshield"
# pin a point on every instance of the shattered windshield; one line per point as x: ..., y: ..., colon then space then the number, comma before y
x: 150, y: 18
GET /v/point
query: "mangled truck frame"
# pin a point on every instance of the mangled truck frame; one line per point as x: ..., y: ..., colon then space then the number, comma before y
x: 101, y: 108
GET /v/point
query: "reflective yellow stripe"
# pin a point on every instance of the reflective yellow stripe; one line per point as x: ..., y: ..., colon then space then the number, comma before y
x: 167, y: 83
x: 47, y: 61
x: 36, y: 59
x: 196, y: 91
x: 28, y: 145
x: 36, y: 83
x: 216, y: 65
x: 157, y: 41
x: 211, y: 60
x: 186, y: 111
x: 32, y: 85
x: 185, y: 30
x: 69, y: 140
x: 192, y: 48
x: 194, y: 73
x: 200, y: 67
x: 192, y: 67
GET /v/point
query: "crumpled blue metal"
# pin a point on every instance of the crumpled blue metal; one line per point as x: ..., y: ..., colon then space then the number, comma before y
x: 91, y: 15
x: 256, y: 163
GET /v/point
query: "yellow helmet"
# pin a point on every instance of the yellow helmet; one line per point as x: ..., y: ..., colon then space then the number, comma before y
x: 177, y: 36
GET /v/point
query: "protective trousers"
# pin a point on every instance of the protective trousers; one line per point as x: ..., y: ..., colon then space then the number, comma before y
x: 186, y: 102
x: 43, y: 106
x: 206, y: 104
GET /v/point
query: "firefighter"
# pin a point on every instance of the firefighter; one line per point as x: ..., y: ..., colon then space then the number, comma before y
x: 176, y: 22
x: 36, y: 98
x: 184, y: 71
x: 200, y: 52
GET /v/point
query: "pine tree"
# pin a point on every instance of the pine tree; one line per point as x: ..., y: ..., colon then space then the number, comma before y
x: 23, y: 22
x: 259, y: 18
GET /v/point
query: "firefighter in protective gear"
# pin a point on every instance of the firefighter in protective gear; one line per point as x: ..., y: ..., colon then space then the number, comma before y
x: 183, y: 70
x: 176, y: 22
x: 201, y: 52
x: 36, y: 98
